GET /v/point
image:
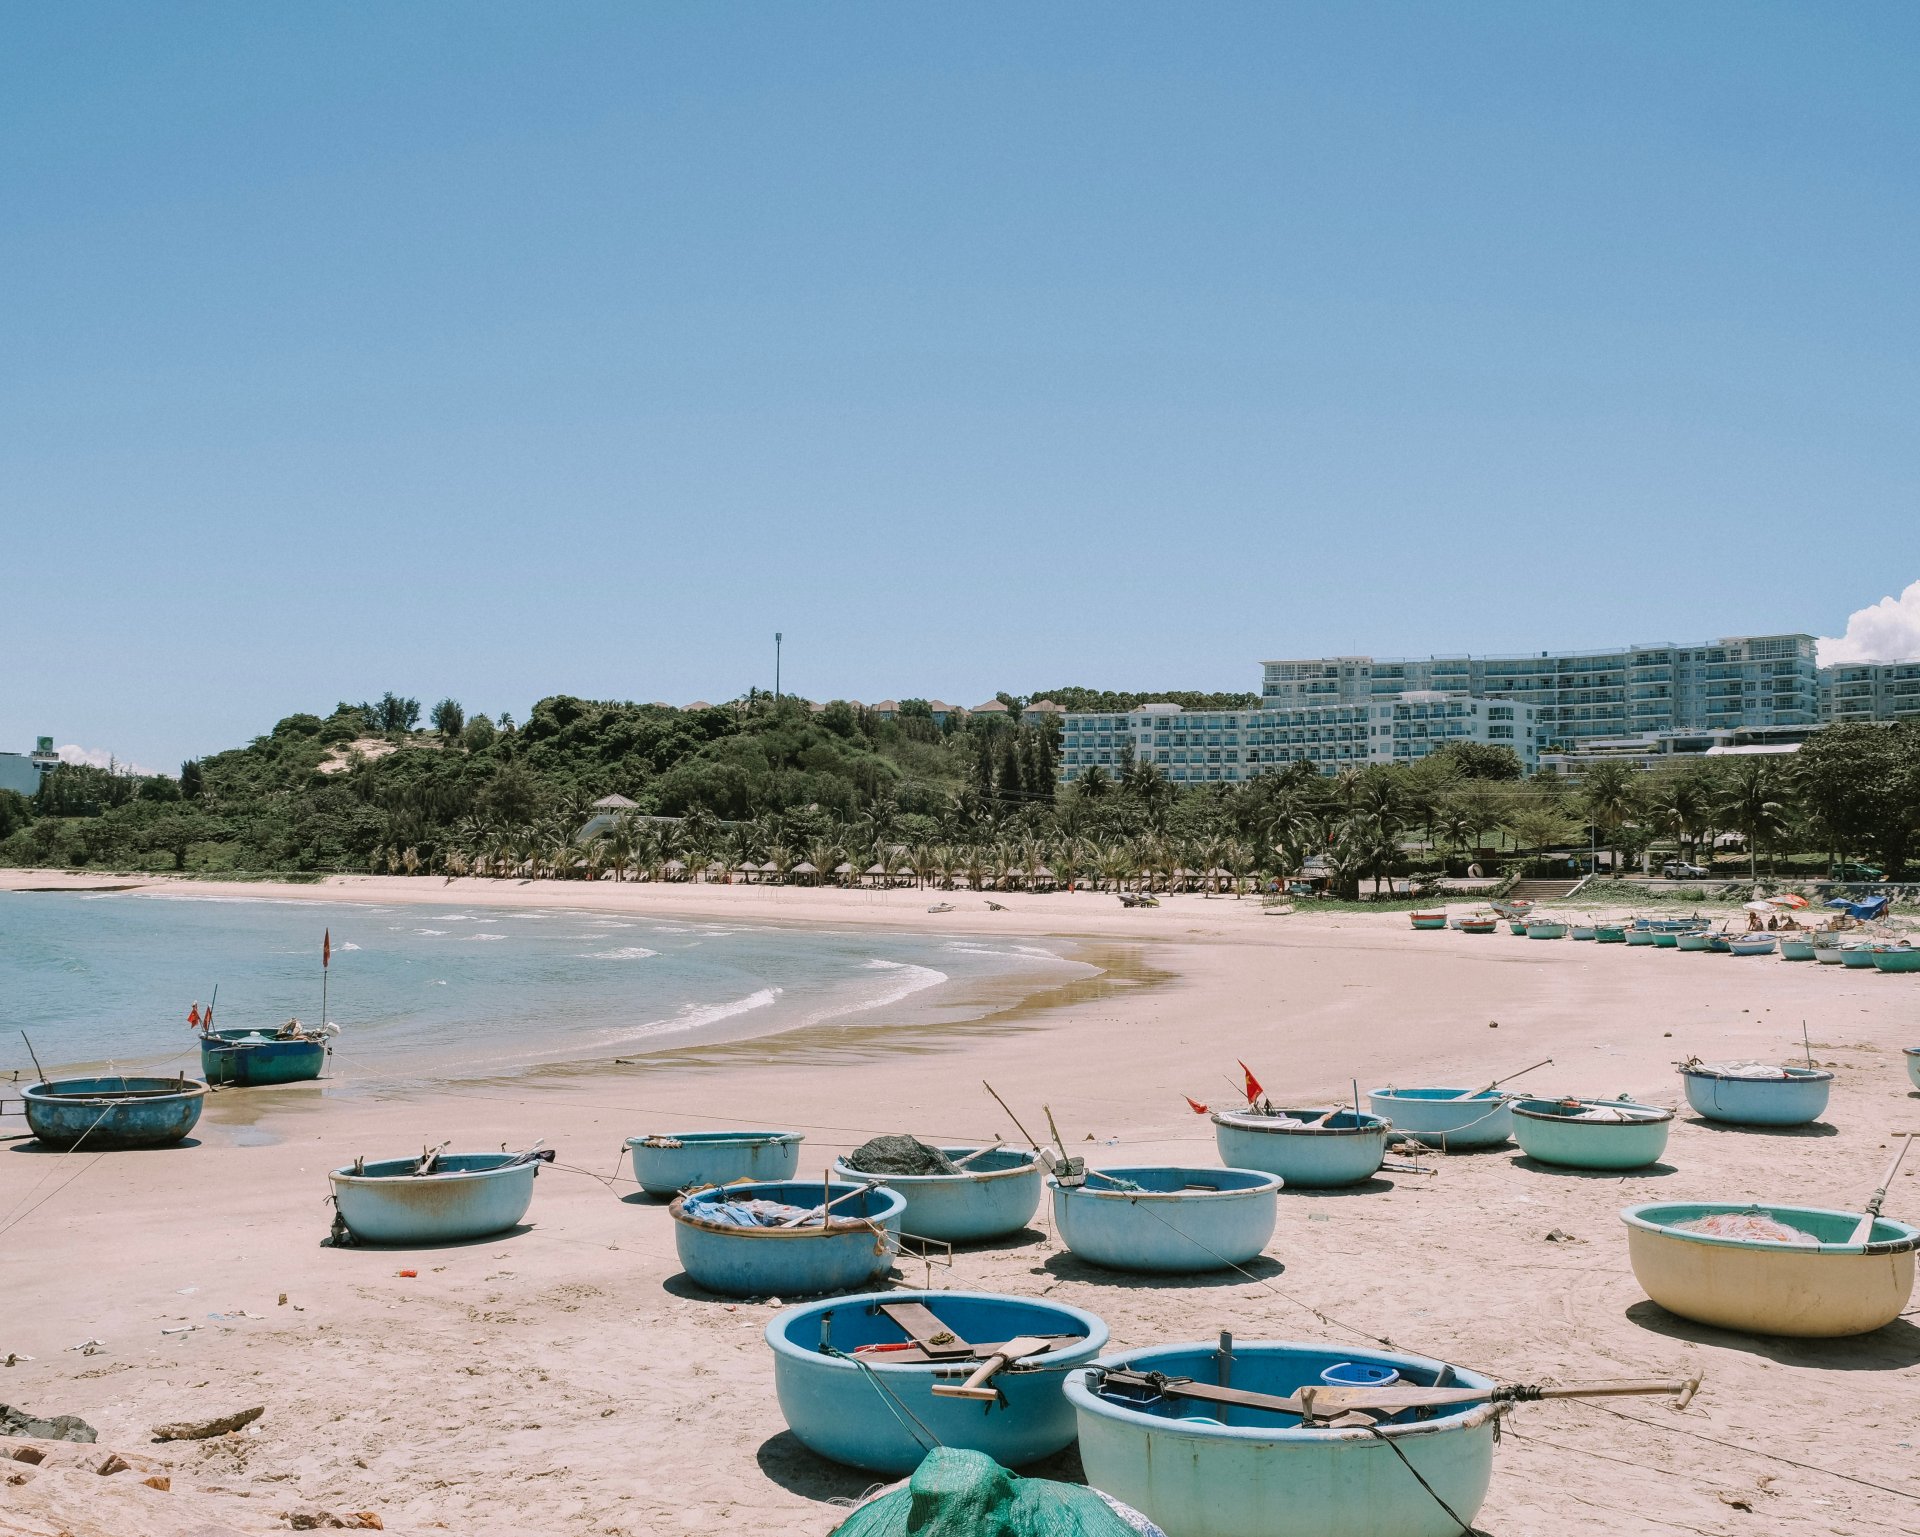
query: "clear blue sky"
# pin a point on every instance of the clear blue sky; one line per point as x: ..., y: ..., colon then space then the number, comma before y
x: 505, y: 350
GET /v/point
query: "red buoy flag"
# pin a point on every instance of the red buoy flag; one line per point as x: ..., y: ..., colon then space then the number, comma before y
x: 1198, y: 1108
x: 1254, y: 1091
x: 326, y: 949
x: 193, y: 1016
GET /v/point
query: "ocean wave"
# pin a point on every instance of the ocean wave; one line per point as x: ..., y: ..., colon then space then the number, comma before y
x: 345, y: 946
x: 628, y: 953
x: 693, y: 1015
x: 472, y: 937
x: 435, y: 932
x: 914, y: 979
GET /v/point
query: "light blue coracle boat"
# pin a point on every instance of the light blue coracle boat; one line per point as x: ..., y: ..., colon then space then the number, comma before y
x: 1912, y: 1054
x: 1721, y: 1094
x: 1167, y: 1220
x: 667, y: 1164
x: 752, y: 1261
x: 996, y: 1194
x: 1201, y: 1469
x: 1441, y: 1118
x: 97, y: 1114
x: 1551, y: 1131
x: 467, y: 1195
x: 1316, y: 1152
x: 856, y: 1389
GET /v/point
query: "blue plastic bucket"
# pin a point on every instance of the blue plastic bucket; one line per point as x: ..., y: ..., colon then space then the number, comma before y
x: 1180, y: 1221
x: 789, y: 1262
x: 1359, y: 1374
x: 837, y: 1408
x: 666, y: 1164
x: 1209, y: 1470
x: 468, y: 1195
x: 1345, y: 1151
x: 996, y: 1194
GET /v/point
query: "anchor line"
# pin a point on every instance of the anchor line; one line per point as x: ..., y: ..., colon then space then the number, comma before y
x: 1752, y: 1451
x: 11, y: 1221
x: 1465, y: 1527
x: 888, y: 1397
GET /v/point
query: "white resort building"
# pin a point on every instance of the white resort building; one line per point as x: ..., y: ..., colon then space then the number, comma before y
x: 1235, y: 745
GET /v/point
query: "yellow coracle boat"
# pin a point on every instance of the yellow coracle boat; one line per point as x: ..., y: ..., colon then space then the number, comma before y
x: 1824, y: 1287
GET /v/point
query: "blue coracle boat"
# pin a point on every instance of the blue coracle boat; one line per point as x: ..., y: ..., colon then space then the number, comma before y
x: 1551, y: 1131
x: 1441, y: 1118
x: 867, y: 1409
x: 247, y: 1059
x: 1343, y: 1151
x: 994, y: 1195
x: 1201, y: 1469
x: 1793, y: 1100
x: 467, y: 1195
x: 1167, y: 1220
x: 753, y: 1261
x: 99, y: 1114
x: 666, y: 1164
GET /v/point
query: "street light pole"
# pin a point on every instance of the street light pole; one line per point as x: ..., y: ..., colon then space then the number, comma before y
x: 776, y: 664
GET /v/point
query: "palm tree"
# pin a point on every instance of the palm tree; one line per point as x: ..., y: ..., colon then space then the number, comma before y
x: 1752, y: 808
x: 1608, y: 795
x: 1095, y: 782
x: 1681, y: 808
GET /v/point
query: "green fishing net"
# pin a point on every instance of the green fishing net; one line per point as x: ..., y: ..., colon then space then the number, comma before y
x: 955, y: 1493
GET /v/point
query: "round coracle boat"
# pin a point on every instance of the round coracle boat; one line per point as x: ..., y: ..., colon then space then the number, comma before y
x: 667, y: 1163
x: 1207, y: 1469
x: 1756, y: 1093
x: 995, y: 1194
x: 1308, y: 1149
x: 1796, y: 949
x: 1610, y: 933
x: 732, y: 1239
x: 1912, y: 1054
x: 465, y: 1195
x: 1429, y: 920
x: 249, y: 1059
x: 105, y: 1114
x: 1591, y: 1133
x: 1544, y: 929
x: 1167, y: 1220
x: 1443, y: 1118
x: 1900, y: 957
x: 1789, y: 1270
x: 829, y: 1356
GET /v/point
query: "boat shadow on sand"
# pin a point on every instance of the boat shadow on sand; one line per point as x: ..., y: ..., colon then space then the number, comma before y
x: 787, y: 1461
x: 28, y: 1143
x: 415, y: 1246
x: 1891, y: 1347
x: 1644, y: 1171
x: 1742, y: 1128
x: 1068, y: 1266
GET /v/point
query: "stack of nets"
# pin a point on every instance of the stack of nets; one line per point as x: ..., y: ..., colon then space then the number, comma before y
x: 900, y: 1155
x: 1755, y: 1225
x: 956, y: 1493
x: 754, y: 1213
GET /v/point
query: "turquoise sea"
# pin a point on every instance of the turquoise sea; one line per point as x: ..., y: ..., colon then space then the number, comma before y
x: 423, y: 993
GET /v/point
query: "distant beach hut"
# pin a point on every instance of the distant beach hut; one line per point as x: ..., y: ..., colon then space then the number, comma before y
x: 876, y: 872
x: 805, y: 868
x: 615, y: 803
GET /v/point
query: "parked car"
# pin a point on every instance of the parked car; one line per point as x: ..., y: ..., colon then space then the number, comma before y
x: 1680, y: 870
x: 1858, y: 873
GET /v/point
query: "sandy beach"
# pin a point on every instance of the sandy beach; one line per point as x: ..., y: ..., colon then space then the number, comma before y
x: 568, y: 1378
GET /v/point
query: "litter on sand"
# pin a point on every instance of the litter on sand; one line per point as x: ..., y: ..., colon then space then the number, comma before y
x: 1753, y: 1225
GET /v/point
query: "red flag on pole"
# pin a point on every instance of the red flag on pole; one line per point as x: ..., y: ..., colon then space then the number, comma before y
x: 1198, y: 1108
x: 193, y: 1017
x: 1254, y: 1091
x: 326, y: 949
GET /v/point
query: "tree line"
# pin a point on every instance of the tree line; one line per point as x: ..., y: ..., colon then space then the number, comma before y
x: 766, y: 780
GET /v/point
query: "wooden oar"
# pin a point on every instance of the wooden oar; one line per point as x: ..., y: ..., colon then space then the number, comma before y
x: 976, y: 1385
x: 429, y: 1158
x: 1328, y: 1400
x: 979, y: 1152
x: 1864, y: 1230
x: 821, y: 1211
x: 1548, y: 1062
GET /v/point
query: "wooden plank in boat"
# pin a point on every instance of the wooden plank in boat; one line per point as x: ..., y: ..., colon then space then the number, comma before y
x: 913, y: 1356
x: 924, y: 1328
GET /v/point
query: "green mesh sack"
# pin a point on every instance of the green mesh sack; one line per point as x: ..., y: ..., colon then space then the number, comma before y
x: 955, y: 1493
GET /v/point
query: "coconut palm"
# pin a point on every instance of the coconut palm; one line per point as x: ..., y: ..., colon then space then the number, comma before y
x: 1608, y: 795
x: 1751, y: 806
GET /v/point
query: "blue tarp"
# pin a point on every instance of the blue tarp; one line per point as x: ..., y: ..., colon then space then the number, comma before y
x: 1866, y: 907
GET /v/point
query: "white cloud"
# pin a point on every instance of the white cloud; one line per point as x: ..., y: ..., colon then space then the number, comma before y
x: 98, y: 758
x: 1889, y: 631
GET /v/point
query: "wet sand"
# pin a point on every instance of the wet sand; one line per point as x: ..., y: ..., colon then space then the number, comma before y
x: 567, y: 1378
